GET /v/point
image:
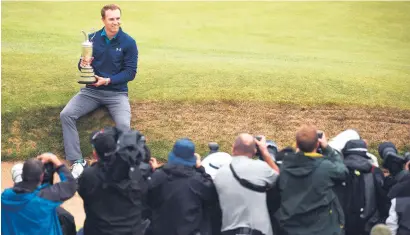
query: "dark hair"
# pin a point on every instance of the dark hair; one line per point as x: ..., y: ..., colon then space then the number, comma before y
x: 32, y: 170
x: 109, y: 7
x: 306, y: 138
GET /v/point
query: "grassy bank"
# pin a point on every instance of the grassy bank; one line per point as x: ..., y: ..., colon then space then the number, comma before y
x: 353, y: 54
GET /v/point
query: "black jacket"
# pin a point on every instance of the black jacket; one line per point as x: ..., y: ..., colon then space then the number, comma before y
x: 180, y: 197
x: 401, y: 192
x: 111, y: 206
x: 374, y: 197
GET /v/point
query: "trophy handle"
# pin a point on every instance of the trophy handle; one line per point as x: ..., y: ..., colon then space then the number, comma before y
x: 86, y: 36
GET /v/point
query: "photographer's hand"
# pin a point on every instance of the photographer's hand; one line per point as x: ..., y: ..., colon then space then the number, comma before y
x: 154, y: 163
x: 198, y: 160
x: 323, y: 140
x: 263, y: 148
x: 49, y: 157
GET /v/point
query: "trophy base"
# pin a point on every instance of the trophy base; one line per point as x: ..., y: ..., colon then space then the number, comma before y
x: 87, y: 76
x: 85, y: 82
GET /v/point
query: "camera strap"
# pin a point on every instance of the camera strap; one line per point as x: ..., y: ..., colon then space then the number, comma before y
x: 245, y: 183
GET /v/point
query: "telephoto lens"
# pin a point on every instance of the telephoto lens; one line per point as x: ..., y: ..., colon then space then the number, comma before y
x: 391, y: 160
x: 213, y: 147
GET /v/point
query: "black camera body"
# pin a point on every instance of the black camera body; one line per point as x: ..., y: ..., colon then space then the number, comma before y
x: 49, y: 171
x: 272, y: 149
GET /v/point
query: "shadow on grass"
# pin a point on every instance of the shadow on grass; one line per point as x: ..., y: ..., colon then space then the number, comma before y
x: 29, y: 133
x: 26, y: 134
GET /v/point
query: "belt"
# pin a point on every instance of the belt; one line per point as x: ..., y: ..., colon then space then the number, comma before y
x: 242, y: 231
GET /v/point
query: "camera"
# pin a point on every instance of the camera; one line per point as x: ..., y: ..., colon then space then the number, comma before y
x: 319, y: 136
x: 391, y: 159
x: 213, y: 147
x: 272, y: 149
x: 49, y: 171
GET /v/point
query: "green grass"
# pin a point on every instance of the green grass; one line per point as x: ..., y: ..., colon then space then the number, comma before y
x: 347, y: 53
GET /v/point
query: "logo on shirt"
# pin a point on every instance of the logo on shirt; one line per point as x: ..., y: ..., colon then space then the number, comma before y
x: 118, y: 49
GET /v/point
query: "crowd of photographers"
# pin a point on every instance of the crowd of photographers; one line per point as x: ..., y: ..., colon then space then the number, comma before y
x: 315, y: 187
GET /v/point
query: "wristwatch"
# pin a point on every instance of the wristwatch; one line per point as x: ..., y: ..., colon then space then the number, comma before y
x: 107, y: 81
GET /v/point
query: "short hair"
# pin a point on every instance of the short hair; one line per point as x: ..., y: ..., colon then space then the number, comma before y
x: 32, y: 170
x: 306, y: 138
x: 109, y: 7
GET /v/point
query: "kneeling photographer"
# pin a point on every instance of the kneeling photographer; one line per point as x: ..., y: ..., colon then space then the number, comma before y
x: 32, y: 205
x: 113, y: 187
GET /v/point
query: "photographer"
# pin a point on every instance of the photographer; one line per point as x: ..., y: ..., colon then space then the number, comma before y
x: 30, y: 207
x: 361, y: 194
x: 113, y: 187
x: 399, y: 215
x: 180, y: 193
x: 242, y: 187
x: 309, y: 204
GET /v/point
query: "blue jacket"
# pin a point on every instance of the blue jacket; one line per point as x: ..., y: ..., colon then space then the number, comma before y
x: 117, y: 60
x: 28, y: 212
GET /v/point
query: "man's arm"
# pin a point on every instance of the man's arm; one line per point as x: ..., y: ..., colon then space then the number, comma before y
x: 265, y: 154
x: 335, y: 166
x: 63, y: 190
x: 130, y: 66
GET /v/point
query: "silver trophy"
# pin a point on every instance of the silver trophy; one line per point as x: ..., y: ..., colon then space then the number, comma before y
x: 87, y: 72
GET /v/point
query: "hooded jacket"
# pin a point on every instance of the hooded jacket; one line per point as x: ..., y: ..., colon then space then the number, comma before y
x: 359, y: 164
x: 30, y: 212
x: 309, y: 205
x: 112, y: 200
x: 180, y: 197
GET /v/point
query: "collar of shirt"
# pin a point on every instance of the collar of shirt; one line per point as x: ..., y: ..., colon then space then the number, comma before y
x: 104, y: 34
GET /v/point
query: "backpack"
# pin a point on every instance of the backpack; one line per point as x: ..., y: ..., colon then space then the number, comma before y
x: 359, y: 202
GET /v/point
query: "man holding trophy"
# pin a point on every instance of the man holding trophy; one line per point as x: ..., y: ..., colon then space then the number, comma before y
x: 108, y: 62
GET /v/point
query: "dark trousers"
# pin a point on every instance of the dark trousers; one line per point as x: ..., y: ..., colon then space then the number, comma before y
x: 242, y: 231
x: 67, y: 221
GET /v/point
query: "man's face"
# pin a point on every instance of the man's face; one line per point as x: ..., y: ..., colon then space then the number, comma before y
x: 112, y: 21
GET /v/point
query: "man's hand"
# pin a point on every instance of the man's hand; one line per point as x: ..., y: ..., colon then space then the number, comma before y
x: 154, y: 163
x: 263, y: 148
x: 101, y: 81
x: 85, y: 63
x: 49, y: 157
x: 198, y: 160
x: 323, y: 140
x: 407, y: 166
x: 262, y: 144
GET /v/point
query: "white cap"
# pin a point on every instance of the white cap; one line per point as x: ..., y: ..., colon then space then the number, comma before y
x: 16, y: 172
x: 213, y: 162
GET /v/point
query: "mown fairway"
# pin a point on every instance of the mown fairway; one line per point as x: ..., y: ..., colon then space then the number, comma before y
x: 311, y: 54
